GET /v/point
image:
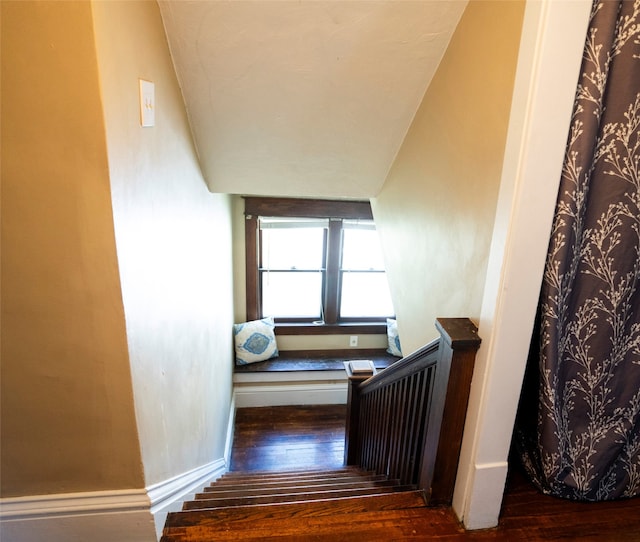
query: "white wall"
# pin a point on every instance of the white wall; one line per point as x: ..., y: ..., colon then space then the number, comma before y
x: 548, y: 65
x: 173, y: 240
x: 174, y: 249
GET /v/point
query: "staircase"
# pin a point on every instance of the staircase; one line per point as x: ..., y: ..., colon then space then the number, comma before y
x: 341, y: 504
x: 406, y: 420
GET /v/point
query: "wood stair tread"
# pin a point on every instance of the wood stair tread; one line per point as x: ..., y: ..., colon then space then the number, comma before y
x: 315, y: 508
x: 295, y: 477
x: 295, y: 505
x: 210, y: 493
x: 292, y: 482
x: 370, y: 526
x: 329, y: 473
x: 272, y: 482
x: 288, y: 497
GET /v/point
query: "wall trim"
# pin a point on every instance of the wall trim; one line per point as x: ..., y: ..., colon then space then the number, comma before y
x: 231, y: 424
x: 99, y: 516
x: 168, y: 491
x: 73, y: 504
x: 107, y: 515
x: 488, y: 479
x: 315, y: 393
x: 168, y: 495
x: 281, y: 377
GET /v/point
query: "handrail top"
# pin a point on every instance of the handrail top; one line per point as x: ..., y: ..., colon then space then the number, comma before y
x: 458, y: 332
x: 419, y: 353
x: 426, y: 353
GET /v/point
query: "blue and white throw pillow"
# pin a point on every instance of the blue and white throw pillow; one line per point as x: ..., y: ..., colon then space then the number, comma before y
x: 255, y: 341
x: 393, y: 338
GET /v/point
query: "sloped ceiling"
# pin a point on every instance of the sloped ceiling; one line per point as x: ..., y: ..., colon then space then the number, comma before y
x: 305, y: 97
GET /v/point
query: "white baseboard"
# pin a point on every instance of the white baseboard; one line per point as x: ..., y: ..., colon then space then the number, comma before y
x: 316, y: 393
x: 231, y: 424
x: 62, y: 504
x: 168, y: 496
x: 128, y: 515
x: 102, y: 516
x: 171, y: 490
x: 482, y: 509
x: 77, y: 517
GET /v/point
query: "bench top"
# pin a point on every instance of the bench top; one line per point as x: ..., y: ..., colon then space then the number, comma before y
x: 317, y: 360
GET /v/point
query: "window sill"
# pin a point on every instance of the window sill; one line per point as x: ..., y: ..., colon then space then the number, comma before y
x: 362, y: 328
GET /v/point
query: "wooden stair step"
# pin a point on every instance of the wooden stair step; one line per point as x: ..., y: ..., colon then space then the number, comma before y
x: 378, y: 525
x: 292, y: 482
x: 317, y: 508
x: 288, y: 497
x: 292, y: 476
x: 241, y: 475
x: 210, y: 493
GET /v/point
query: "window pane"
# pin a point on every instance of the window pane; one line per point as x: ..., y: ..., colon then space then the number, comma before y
x: 361, y: 250
x: 292, y: 294
x: 292, y: 248
x: 366, y: 295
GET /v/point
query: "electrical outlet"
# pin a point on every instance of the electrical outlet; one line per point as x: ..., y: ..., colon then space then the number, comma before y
x: 353, y: 340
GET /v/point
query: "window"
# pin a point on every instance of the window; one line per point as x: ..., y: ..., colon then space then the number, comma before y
x: 364, y: 291
x: 315, y: 263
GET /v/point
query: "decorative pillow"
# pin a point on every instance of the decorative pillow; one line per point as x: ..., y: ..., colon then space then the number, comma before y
x: 255, y: 341
x: 392, y: 336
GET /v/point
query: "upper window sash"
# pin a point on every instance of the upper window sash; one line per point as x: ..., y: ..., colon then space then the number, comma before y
x: 273, y: 222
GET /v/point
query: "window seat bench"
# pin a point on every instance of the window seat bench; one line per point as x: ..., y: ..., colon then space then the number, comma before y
x: 301, y: 377
x: 317, y: 360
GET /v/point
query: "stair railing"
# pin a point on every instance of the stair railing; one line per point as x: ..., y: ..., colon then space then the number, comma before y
x: 407, y: 420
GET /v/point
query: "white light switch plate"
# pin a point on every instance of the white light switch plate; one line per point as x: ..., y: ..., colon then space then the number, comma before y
x: 147, y: 103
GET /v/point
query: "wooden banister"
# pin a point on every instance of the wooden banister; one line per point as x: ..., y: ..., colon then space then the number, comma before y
x: 407, y: 420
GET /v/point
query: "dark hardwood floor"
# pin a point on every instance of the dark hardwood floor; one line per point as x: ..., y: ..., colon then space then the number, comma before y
x: 288, y: 438
x: 311, y: 437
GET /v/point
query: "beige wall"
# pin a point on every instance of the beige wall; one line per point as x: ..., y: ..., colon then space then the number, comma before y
x: 68, y: 421
x: 436, y: 210
x: 116, y: 315
x: 174, y: 250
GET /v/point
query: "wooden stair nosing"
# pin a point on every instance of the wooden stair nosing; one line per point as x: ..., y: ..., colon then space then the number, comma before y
x: 280, y: 473
x: 341, y: 468
x: 210, y: 493
x: 199, y: 504
x: 289, y: 482
x: 234, y: 517
x: 292, y: 477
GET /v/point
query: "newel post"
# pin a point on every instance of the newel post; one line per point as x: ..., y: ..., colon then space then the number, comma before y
x: 351, y: 452
x: 459, y: 343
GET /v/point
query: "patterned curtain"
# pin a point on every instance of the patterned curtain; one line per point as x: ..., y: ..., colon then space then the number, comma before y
x: 578, y: 434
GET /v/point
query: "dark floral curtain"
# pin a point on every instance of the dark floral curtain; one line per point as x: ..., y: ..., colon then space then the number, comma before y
x: 578, y: 432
